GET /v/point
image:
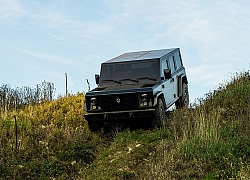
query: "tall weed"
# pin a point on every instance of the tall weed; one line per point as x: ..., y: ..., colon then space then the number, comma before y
x: 53, y: 141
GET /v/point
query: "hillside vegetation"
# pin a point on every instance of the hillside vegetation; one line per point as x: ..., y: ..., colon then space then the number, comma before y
x: 51, y: 140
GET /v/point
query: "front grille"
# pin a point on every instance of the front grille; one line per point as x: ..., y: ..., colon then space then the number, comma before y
x: 118, y: 102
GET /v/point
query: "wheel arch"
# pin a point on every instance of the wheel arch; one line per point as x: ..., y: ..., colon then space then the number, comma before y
x: 182, y: 79
x: 158, y: 95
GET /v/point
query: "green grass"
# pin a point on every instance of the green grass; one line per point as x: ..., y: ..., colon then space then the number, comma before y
x: 210, y: 140
x: 126, y: 154
x: 50, y: 144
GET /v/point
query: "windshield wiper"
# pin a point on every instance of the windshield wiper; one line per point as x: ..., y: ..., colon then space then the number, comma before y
x: 150, y: 78
x: 128, y: 79
x: 112, y: 81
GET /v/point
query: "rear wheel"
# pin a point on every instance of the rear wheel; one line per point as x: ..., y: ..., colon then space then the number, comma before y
x: 184, y: 99
x: 160, y: 116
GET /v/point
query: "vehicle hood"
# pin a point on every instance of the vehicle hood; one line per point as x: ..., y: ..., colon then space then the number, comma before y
x: 122, y: 88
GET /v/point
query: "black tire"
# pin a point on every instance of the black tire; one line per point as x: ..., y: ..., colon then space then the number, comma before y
x: 95, y: 126
x: 183, y: 101
x: 160, y: 113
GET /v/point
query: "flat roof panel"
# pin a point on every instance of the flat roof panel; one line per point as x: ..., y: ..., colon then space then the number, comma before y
x: 141, y: 55
x: 154, y: 54
x: 127, y: 56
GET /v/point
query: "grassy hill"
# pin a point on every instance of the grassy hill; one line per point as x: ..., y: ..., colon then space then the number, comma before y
x: 210, y: 140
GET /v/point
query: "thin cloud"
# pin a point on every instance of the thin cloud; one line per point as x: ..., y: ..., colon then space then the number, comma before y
x: 207, y: 75
x: 213, y: 35
x: 58, y: 75
x: 11, y: 9
x: 45, y: 56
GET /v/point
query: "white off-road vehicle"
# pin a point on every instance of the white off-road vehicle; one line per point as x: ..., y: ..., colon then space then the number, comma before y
x: 138, y: 85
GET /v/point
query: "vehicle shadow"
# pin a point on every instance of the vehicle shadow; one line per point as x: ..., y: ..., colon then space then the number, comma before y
x: 112, y: 127
x: 132, y: 125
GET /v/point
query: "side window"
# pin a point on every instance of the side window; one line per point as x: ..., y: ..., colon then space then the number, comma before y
x: 178, y: 60
x: 172, y: 63
x: 164, y: 65
x: 167, y: 64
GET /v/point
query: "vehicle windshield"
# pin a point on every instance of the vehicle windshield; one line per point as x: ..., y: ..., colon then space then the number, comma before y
x: 131, y: 72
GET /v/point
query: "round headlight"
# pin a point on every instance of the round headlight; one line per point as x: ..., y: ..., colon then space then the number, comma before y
x: 93, y: 101
x: 144, y: 97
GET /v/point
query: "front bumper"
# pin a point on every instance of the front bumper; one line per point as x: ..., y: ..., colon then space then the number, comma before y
x: 120, y: 115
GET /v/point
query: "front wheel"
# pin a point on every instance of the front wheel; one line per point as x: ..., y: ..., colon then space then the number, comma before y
x: 95, y: 126
x: 184, y: 99
x: 160, y: 113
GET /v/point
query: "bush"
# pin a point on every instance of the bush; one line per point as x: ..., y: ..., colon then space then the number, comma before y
x: 53, y: 140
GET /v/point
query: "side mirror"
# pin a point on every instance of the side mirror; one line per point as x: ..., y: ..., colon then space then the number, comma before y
x: 97, y: 77
x: 167, y: 73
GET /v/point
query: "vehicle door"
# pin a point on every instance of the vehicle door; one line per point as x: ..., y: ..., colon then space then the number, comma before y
x: 173, y: 80
x: 174, y: 70
x: 168, y: 85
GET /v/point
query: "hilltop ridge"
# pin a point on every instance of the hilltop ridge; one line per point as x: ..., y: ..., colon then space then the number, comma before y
x: 209, y: 140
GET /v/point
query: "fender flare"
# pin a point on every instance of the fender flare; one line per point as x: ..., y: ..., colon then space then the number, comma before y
x: 181, y: 79
x: 184, y: 79
x: 156, y: 96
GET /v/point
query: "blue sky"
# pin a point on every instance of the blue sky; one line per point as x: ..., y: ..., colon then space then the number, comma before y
x: 43, y: 40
